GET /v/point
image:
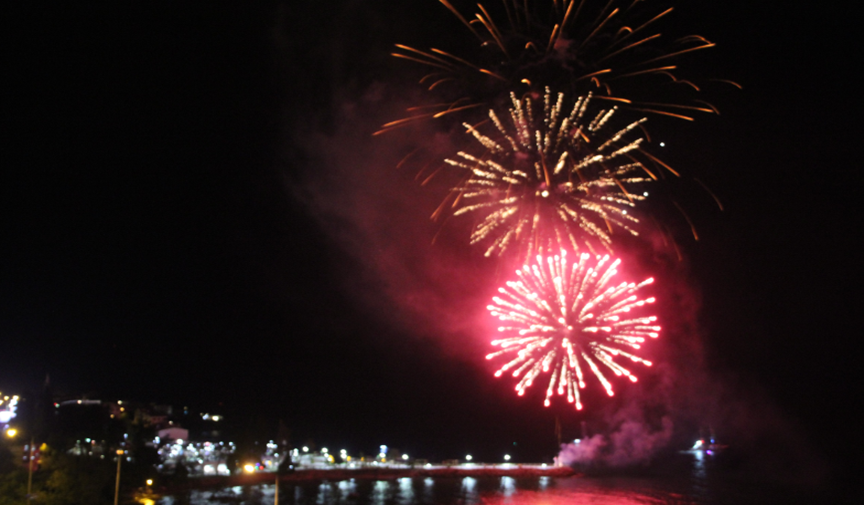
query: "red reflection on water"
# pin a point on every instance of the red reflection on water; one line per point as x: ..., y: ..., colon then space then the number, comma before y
x: 586, y: 497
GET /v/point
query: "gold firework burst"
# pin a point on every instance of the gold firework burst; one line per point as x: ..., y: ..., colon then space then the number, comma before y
x: 550, y: 178
x: 578, y: 46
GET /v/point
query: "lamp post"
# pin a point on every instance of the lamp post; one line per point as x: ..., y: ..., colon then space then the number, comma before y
x: 117, y: 482
x: 30, y: 470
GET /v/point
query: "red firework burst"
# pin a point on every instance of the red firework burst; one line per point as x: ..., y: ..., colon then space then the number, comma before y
x: 561, y: 317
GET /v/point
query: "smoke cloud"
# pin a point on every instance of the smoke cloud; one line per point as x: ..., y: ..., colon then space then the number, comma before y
x: 632, y: 441
x: 368, y: 195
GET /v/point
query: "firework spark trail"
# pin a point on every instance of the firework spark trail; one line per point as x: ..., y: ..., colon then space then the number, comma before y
x: 554, y: 179
x: 600, y: 48
x: 567, y: 319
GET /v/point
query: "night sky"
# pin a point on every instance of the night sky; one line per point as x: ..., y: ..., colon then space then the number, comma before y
x: 194, y: 211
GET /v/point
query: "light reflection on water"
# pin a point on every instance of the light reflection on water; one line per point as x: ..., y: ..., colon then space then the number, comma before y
x: 508, y: 486
x: 696, y: 482
x: 323, y: 495
x: 469, y: 490
x: 347, y: 488
x: 428, y: 490
x: 379, y: 492
x: 406, y: 491
x: 432, y: 491
x: 543, y: 483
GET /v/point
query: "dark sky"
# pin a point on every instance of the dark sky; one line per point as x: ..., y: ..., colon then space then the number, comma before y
x: 194, y: 211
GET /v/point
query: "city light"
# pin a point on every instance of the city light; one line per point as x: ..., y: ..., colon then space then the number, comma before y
x: 149, y: 482
x: 305, y: 449
x: 468, y: 457
x: 405, y: 457
x: 506, y: 457
x: 11, y: 432
x: 249, y: 468
x: 8, y: 408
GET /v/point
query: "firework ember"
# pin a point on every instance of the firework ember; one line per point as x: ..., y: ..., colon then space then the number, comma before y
x: 608, y: 47
x: 550, y: 178
x: 567, y: 319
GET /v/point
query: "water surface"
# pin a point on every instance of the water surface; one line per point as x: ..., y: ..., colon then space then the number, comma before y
x: 690, y: 479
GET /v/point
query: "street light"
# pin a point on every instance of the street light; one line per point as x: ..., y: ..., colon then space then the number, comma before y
x: 468, y: 457
x: 11, y: 432
x: 506, y: 457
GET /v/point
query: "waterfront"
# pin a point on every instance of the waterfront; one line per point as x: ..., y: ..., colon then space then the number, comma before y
x: 685, y: 479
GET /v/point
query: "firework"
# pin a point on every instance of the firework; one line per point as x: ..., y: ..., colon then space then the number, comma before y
x: 610, y: 48
x: 549, y: 177
x: 570, y: 320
